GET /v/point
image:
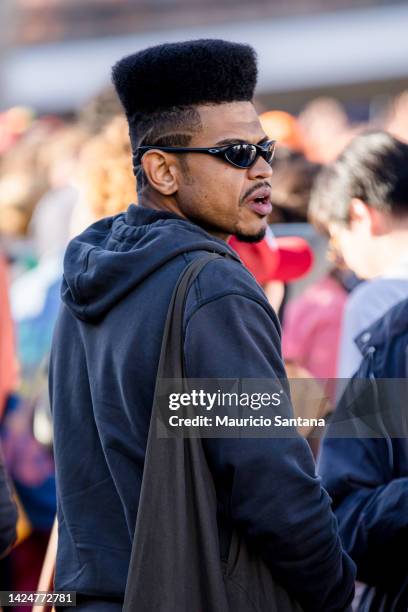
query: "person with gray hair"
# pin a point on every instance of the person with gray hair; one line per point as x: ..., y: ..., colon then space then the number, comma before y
x: 361, y: 201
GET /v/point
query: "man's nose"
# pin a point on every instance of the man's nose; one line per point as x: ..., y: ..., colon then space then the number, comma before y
x: 260, y: 169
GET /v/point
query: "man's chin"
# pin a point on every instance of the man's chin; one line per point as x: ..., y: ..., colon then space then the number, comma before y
x: 244, y: 237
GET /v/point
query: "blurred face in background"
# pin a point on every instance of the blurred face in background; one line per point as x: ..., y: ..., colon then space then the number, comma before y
x: 364, y: 243
x: 105, y: 178
x: 350, y: 248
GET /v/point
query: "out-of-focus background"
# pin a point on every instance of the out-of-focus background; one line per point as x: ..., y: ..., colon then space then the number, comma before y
x: 327, y: 70
x: 56, y: 53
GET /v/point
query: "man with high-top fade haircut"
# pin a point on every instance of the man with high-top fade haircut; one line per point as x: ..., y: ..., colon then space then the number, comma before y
x: 203, y: 167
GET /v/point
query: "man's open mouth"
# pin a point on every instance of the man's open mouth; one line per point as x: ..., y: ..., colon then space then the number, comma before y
x: 260, y: 201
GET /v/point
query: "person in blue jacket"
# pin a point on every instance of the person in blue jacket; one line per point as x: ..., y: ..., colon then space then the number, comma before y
x: 366, y: 473
x: 203, y: 166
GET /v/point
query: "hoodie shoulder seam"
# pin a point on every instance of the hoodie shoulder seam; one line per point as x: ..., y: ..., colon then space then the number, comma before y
x: 218, y: 296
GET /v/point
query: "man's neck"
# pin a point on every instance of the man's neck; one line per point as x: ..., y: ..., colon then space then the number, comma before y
x: 157, y: 202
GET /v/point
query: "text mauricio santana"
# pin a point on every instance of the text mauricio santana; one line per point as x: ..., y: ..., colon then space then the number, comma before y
x: 251, y: 421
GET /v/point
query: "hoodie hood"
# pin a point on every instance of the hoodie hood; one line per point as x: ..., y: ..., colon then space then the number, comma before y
x: 111, y: 257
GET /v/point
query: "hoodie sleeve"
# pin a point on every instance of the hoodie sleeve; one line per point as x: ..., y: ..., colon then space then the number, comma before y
x: 268, y: 486
x: 8, y: 513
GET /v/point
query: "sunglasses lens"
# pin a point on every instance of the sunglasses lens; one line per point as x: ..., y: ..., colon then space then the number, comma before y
x: 242, y: 155
x: 269, y: 152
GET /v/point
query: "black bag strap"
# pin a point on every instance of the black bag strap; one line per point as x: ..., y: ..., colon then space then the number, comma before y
x: 175, y: 563
x: 152, y: 558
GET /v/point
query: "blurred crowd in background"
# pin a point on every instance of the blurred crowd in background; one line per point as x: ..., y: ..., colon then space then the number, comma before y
x: 60, y: 174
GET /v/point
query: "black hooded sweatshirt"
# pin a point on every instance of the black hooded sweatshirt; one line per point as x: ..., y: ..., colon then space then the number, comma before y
x: 118, y: 279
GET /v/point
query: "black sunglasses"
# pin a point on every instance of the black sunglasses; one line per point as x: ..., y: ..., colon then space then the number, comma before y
x: 238, y: 155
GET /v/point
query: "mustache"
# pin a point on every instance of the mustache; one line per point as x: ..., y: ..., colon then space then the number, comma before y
x: 254, y: 188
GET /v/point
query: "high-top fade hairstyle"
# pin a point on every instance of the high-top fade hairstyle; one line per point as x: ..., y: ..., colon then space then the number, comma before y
x: 160, y: 87
x: 373, y: 168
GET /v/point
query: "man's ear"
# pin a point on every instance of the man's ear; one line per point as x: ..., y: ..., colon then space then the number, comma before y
x: 358, y: 210
x: 161, y: 171
x: 373, y: 219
